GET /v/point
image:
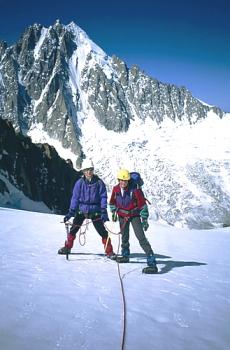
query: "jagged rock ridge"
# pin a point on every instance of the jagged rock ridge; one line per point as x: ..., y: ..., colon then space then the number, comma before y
x: 56, y: 76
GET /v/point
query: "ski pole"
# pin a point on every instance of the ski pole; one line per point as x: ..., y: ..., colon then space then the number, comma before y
x: 67, y: 233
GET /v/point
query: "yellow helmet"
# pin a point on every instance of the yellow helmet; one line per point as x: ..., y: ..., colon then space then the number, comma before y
x: 123, y: 174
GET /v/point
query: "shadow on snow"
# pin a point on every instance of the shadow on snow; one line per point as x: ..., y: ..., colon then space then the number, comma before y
x: 168, y: 264
x: 140, y: 258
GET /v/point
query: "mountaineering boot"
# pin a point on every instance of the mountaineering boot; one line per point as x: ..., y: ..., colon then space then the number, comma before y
x: 151, y: 261
x: 68, y: 245
x: 64, y: 250
x: 125, y: 252
x: 108, y: 247
x: 124, y: 258
x: 152, y: 265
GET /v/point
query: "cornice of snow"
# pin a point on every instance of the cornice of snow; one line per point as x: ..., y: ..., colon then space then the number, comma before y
x: 40, y: 42
x: 83, y: 39
x: 85, y: 47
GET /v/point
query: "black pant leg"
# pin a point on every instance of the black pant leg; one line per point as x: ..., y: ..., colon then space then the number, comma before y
x: 100, y: 227
x: 124, y: 227
x: 77, y: 222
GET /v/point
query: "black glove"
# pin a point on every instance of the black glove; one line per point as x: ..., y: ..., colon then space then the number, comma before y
x: 70, y: 214
x: 104, y: 215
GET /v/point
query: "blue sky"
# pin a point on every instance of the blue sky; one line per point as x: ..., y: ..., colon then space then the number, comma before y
x: 179, y: 42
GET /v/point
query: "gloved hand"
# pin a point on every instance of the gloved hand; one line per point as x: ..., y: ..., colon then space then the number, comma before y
x: 114, y: 216
x: 104, y: 215
x: 112, y: 207
x: 70, y: 214
x: 144, y: 213
x: 145, y: 224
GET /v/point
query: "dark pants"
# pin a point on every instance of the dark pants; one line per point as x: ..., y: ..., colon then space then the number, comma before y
x: 97, y: 223
x: 139, y: 232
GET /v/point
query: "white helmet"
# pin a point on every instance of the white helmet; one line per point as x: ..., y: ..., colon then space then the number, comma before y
x: 86, y: 164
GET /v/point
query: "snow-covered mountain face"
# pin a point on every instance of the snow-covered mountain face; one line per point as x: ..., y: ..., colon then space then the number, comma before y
x: 59, y: 87
x: 58, y: 77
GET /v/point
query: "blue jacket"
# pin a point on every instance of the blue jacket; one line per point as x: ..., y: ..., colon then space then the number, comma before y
x: 89, y: 197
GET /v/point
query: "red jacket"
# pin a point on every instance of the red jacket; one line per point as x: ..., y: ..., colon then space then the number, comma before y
x: 130, y: 204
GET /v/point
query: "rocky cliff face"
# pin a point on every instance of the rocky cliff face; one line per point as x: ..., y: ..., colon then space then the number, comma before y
x: 35, y: 170
x: 57, y: 77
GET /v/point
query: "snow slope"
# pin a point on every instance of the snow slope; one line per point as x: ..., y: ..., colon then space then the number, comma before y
x: 15, y: 198
x: 50, y: 303
x: 186, y: 168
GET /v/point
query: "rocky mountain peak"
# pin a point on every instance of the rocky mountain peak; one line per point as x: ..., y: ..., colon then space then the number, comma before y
x: 58, y: 76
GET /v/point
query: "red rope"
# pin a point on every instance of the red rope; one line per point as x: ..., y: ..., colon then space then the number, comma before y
x: 121, y: 229
x: 81, y: 232
x: 118, y: 269
x: 121, y: 284
x: 123, y: 301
